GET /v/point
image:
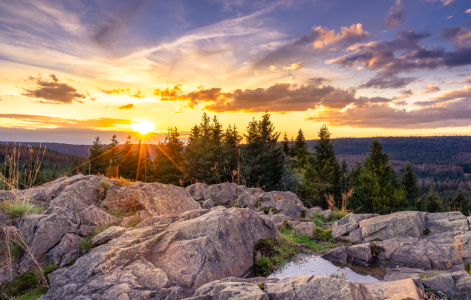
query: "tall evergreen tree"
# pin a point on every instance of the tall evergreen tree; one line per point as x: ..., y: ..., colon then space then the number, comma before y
x: 97, y: 163
x: 128, y: 159
x: 299, y: 151
x: 263, y: 160
x: 460, y: 203
x: 112, y: 153
x: 379, y: 182
x: 286, y: 144
x: 168, y: 161
x: 432, y: 202
x: 409, y: 184
x: 322, y: 173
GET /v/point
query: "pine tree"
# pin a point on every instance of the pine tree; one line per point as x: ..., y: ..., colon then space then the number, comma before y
x: 460, y: 203
x: 96, y: 157
x: 128, y: 159
x: 432, y: 202
x: 285, y: 143
x: 168, y: 161
x: 322, y: 174
x: 299, y: 151
x: 409, y: 184
x: 263, y: 160
x: 379, y: 181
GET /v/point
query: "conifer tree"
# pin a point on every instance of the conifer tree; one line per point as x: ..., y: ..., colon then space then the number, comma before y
x: 113, y: 152
x: 168, y: 161
x: 96, y: 164
x: 432, y: 202
x: 285, y: 143
x: 128, y: 159
x: 299, y: 151
x: 409, y: 184
x: 460, y: 203
x: 379, y: 182
x: 263, y: 160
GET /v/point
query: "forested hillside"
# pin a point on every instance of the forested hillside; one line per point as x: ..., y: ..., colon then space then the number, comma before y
x: 58, y: 147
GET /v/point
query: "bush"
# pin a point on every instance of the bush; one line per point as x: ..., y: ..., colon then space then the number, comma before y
x: 16, y: 209
x: 274, y: 254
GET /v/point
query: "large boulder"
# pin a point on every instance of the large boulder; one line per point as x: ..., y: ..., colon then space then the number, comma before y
x: 289, y: 208
x: 223, y: 193
x: 78, y: 195
x: 191, y: 252
x: 95, y: 216
x: 69, y: 242
x: 155, y: 198
x: 249, y: 197
x: 306, y: 228
x: 196, y: 190
x: 348, y: 223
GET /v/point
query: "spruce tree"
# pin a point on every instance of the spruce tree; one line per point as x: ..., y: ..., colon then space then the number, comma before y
x: 97, y: 164
x: 432, y: 202
x: 460, y: 203
x: 263, y: 160
x: 409, y: 184
x: 285, y: 143
x: 299, y: 151
x: 168, y: 161
x: 379, y: 181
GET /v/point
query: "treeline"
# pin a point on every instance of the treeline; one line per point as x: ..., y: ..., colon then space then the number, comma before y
x: 27, y: 166
x: 257, y: 158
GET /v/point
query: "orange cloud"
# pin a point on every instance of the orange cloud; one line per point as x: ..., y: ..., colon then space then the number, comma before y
x: 294, y: 66
x: 327, y: 37
x: 126, y: 107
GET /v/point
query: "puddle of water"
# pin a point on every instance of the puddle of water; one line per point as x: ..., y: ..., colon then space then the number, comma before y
x: 315, y: 265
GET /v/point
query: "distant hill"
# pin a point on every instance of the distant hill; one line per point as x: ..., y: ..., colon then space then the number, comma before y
x: 58, y: 147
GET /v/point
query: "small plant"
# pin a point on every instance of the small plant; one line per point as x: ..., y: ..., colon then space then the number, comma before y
x: 85, y: 244
x: 15, y: 209
x: 426, y: 231
x: 318, y: 218
x: 108, y: 265
x: 122, y: 182
x: 340, y: 274
x: 213, y: 196
x: 99, y: 229
x: 133, y: 224
x: 274, y: 254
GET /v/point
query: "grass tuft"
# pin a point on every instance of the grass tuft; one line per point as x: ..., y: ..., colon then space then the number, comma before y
x: 99, y: 229
x: 28, y: 285
x: 274, y: 254
x: 15, y: 209
x: 86, y: 244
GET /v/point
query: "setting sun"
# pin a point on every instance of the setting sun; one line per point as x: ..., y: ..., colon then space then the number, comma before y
x: 143, y: 127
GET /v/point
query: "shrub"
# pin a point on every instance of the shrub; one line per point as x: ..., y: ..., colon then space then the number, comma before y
x: 16, y: 209
x: 274, y: 254
x: 86, y: 244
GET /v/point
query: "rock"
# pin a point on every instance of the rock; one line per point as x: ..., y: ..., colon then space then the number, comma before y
x: 349, y: 223
x: 290, y: 196
x: 310, y: 211
x: 208, y: 204
x: 316, y: 287
x: 280, y: 218
x: 68, y: 257
x: 42, y: 233
x: 456, y: 283
x: 107, y: 235
x: 443, y: 222
x: 127, y: 221
x: 86, y: 230
x: 289, y: 208
x: 279, y: 225
x: 306, y: 228
x: 229, y: 290
x: 155, y: 198
x: 69, y: 242
x: 293, y: 224
x: 267, y: 200
x: 196, y: 190
x: 327, y: 213
x: 191, y: 252
x: 399, y: 224
x: 94, y: 216
x: 396, y: 290
x: 78, y: 195
x: 360, y: 253
x: 249, y: 197
x: 222, y: 193
x: 158, y: 220
x: 339, y: 254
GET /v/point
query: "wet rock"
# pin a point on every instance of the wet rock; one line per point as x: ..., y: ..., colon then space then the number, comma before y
x: 339, y: 254
x: 191, y: 252
x: 226, y: 192
x: 360, y: 253
x: 155, y: 198
x: 196, y: 190
x: 207, y: 204
x: 69, y: 242
x: 94, y: 216
x: 306, y: 228
x: 107, y: 235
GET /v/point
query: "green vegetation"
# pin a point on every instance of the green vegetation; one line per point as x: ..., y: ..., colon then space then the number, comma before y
x: 15, y: 209
x: 86, y: 244
x: 28, y: 284
x: 99, y: 229
x: 133, y: 224
x: 321, y: 242
x: 274, y: 254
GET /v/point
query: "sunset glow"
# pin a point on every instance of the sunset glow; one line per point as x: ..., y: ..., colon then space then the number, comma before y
x: 143, y: 127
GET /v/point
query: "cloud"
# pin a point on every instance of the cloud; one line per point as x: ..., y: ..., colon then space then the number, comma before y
x: 126, y: 107
x: 294, y: 66
x: 445, y: 2
x: 54, y: 92
x: 455, y: 94
x: 468, y: 11
x: 387, y: 81
x: 384, y: 116
x: 320, y: 41
x: 431, y: 88
x: 39, y: 121
x: 460, y: 37
x: 395, y: 15
x: 138, y: 95
x: 428, y: 89
x: 116, y: 91
x: 403, y: 53
x: 279, y: 97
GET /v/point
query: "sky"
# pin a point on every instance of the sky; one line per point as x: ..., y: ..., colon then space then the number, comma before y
x: 73, y: 70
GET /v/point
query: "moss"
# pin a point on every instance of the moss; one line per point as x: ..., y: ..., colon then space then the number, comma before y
x: 266, y: 210
x: 426, y: 231
x: 86, y: 244
x: 27, y: 283
x: 33, y: 295
x: 133, y: 224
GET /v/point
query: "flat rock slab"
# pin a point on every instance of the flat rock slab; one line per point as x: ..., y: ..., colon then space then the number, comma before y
x: 396, y: 290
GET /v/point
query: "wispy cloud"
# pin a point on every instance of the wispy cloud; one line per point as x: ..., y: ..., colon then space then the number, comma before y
x: 395, y: 16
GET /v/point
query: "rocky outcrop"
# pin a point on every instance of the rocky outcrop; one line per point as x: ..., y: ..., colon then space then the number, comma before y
x: 223, y: 193
x: 302, y: 288
x: 67, y: 248
x: 405, y: 289
x: 196, y: 190
x: 190, y: 252
x: 155, y: 198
